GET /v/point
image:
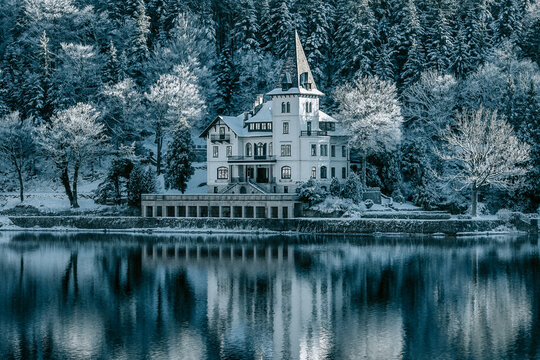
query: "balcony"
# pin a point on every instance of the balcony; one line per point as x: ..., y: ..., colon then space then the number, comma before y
x: 314, y: 133
x: 221, y: 138
x: 252, y: 159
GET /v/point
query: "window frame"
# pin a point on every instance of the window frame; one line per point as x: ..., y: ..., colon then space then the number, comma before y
x: 324, y: 172
x: 332, y: 150
x: 313, y: 149
x: 228, y: 150
x: 249, y: 150
x: 286, y: 127
x: 314, y: 172
x: 286, y: 153
x: 222, y: 173
x: 286, y: 172
x: 323, y: 150
x: 215, y: 151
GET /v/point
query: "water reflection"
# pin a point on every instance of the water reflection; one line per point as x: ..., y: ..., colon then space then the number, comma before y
x: 119, y: 296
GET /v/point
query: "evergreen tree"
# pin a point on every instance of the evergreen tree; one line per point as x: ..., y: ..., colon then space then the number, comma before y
x: 461, y: 56
x: 226, y: 83
x: 246, y: 28
x: 335, y: 187
x: 138, y: 49
x: 479, y: 32
x: 384, y: 67
x: 281, y: 28
x: 178, y: 159
x: 111, y: 70
x: 265, y: 25
x: 414, y: 65
x: 440, y: 42
x: 509, y: 19
x: 141, y: 181
x: 315, y: 36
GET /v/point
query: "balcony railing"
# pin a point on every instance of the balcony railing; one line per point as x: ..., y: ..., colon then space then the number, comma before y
x: 256, y: 158
x: 220, y: 138
x: 314, y: 133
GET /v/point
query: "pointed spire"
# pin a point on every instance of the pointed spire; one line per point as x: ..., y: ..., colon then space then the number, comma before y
x: 296, y: 72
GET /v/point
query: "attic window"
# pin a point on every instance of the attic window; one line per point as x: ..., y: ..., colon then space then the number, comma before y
x: 304, y: 81
x: 286, y: 82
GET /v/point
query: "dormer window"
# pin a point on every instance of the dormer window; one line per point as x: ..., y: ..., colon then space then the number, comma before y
x: 286, y: 82
x: 304, y: 78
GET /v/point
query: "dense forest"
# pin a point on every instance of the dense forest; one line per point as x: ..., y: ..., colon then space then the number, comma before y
x: 112, y: 59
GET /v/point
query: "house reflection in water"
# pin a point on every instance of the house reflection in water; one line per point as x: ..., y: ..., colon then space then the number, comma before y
x: 77, y: 296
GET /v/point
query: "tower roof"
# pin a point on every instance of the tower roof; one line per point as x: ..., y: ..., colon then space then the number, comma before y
x: 296, y: 72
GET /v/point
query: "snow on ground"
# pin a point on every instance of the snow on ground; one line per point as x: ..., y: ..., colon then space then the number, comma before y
x: 48, y: 202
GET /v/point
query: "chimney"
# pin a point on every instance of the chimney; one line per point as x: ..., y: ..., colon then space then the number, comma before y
x: 258, y: 103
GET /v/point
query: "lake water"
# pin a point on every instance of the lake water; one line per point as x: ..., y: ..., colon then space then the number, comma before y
x: 95, y: 296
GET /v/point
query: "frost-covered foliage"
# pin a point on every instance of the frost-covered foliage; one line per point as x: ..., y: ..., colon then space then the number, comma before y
x: 482, y: 150
x: 16, y: 145
x: 72, y: 138
x: 311, y: 192
x: 179, y: 158
x: 370, y: 109
x: 111, y: 189
x: 175, y: 100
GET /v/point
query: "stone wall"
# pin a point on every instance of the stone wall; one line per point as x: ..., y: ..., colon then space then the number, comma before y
x: 327, y: 226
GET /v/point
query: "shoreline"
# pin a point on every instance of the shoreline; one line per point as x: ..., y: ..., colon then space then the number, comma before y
x: 287, y: 227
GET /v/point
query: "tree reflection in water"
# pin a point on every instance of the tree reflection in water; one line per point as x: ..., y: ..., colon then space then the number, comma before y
x: 196, y: 297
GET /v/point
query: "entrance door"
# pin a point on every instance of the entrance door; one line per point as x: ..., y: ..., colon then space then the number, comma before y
x: 262, y: 175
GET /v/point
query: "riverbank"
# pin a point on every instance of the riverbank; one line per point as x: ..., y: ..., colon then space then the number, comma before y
x: 302, y: 225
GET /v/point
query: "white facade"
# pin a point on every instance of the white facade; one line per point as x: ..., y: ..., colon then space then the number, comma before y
x: 281, y: 143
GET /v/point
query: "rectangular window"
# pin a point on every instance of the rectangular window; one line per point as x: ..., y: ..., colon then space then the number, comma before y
x: 270, y: 149
x: 269, y: 127
x: 263, y: 126
x: 250, y: 127
x: 324, y: 150
x: 333, y: 172
x: 258, y: 126
x: 343, y: 151
x: 286, y: 127
x: 285, y: 150
x: 333, y: 150
x: 216, y: 151
x: 313, y: 149
x: 229, y: 150
x: 343, y: 173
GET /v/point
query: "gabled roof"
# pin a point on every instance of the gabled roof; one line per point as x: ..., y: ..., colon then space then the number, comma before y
x: 233, y: 122
x: 263, y: 115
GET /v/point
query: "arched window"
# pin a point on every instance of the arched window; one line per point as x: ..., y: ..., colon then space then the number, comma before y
x: 286, y: 172
x: 324, y: 174
x: 282, y: 107
x: 314, y: 172
x: 222, y: 172
x: 288, y: 107
x: 260, y: 149
x: 248, y: 149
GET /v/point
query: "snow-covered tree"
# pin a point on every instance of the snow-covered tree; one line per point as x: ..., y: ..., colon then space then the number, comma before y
x: 482, y: 150
x: 73, y: 137
x: 246, y: 27
x: 111, y: 70
x: 280, y: 30
x: 175, y: 99
x: 124, y: 111
x: 16, y: 146
x: 138, y: 49
x: 180, y: 155
x: 370, y: 109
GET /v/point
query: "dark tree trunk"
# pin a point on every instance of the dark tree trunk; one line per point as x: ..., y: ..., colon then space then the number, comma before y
x: 74, y: 202
x: 159, y: 142
x: 474, y: 199
x: 364, y: 169
x: 21, y: 188
x: 64, y: 177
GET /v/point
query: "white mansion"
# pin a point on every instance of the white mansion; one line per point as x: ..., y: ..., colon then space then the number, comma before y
x: 255, y: 161
x: 281, y: 143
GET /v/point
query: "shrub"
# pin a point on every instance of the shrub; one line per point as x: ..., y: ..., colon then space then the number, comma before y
x: 311, y: 192
x: 335, y: 187
x: 141, y: 181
